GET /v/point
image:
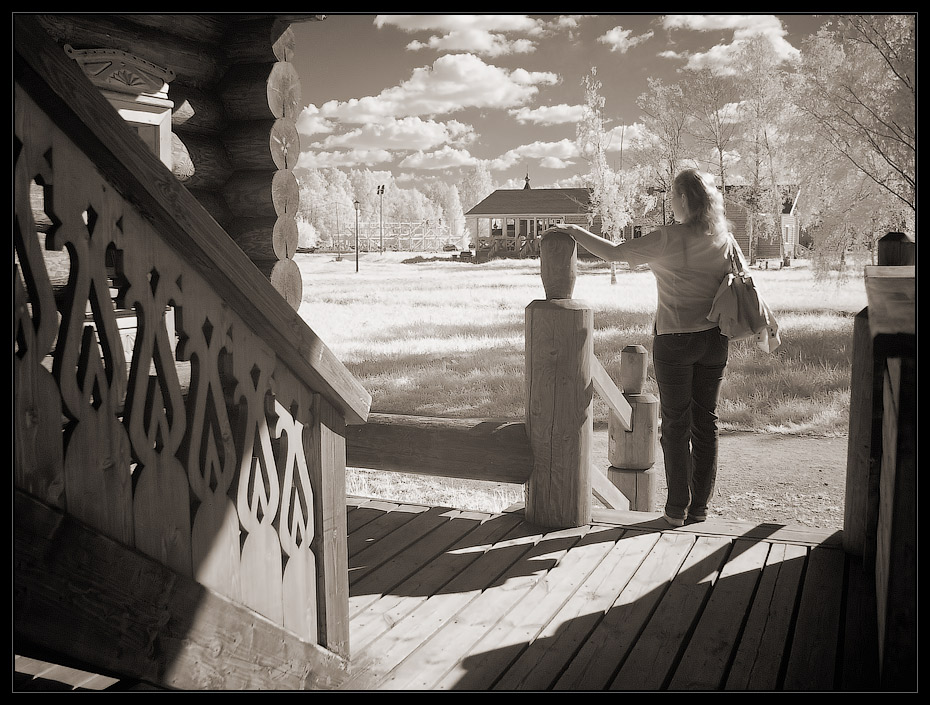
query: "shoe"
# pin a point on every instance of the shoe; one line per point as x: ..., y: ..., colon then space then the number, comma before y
x: 672, y: 521
x: 696, y: 518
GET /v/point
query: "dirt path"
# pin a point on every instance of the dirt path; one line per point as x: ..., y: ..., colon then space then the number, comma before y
x: 771, y: 478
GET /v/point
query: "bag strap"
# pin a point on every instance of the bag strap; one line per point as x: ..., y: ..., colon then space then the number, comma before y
x: 737, y: 262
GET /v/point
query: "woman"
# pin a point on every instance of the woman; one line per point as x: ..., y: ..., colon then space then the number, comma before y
x: 689, y: 260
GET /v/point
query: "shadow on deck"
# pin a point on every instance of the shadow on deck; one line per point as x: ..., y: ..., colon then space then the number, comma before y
x: 449, y: 599
x: 444, y: 599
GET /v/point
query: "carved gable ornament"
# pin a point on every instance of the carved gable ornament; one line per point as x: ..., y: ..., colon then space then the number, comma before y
x: 117, y: 70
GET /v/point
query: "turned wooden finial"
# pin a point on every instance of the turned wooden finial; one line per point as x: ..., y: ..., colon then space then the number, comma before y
x: 558, y: 257
x: 633, y: 369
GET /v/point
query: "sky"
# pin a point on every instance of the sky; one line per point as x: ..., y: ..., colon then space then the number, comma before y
x: 427, y: 96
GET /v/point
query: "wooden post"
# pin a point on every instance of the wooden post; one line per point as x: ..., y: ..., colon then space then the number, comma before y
x: 632, y: 454
x: 861, y: 498
x: 864, y: 452
x: 892, y: 535
x: 559, y: 393
x: 897, y: 249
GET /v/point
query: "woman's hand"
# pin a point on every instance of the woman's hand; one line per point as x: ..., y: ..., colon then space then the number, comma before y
x: 565, y: 229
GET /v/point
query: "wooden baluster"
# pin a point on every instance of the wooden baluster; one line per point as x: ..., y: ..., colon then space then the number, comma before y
x: 209, y: 450
x: 38, y: 452
x: 559, y: 393
x: 258, y: 494
x: 154, y: 414
x: 296, y: 527
x: 89, y: 361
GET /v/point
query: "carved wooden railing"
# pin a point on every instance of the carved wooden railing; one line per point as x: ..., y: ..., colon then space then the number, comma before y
x: 170, y: 491
x: 550, y: 452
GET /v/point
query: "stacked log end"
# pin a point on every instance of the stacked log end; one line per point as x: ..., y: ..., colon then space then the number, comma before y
x: 260, y: 94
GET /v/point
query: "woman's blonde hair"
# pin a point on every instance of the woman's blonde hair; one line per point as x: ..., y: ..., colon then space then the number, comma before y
x: 705, y: 203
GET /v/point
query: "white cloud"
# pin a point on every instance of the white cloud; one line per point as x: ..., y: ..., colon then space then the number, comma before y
x: 722, y: 56
x: 310, y: 122
x: 554, y: 163
x: 625, y: 136
x: 444, y: 158
x: 350, y: 158
x: 409, y: 133
x: 476, y: 41
x: 452, y: 83
x: 564, y: 150
x: 478, y: 34
x: 548, y: 114
x: 619, y: 39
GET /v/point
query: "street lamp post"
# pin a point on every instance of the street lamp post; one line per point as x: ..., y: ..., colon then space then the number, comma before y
x: 357, y: 204
x: 381, y: 219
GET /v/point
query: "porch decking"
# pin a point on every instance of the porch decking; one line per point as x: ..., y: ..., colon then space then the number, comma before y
x: 449, y: 599
x: 444, y: 598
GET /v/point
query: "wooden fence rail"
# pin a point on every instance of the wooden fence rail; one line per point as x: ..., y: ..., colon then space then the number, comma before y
x: 549, y: 452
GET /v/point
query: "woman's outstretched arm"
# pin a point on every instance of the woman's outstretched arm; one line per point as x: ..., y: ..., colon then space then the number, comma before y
x: 596, y: 245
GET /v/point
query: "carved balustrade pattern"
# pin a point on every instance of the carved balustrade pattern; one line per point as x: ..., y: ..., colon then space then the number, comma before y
x: 192, y: 446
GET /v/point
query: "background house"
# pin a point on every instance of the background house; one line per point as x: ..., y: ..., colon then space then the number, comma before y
x: 508, y: 222
x: 781, y: 244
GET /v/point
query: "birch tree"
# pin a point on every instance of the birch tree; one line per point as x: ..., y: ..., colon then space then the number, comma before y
x: 858, y: 86
x: 613, y: 193
x: 712, y: 102
x: 765, y: 113
x: 664, y: 117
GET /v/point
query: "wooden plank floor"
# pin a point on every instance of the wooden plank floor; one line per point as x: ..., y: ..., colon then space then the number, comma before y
x: 449, y: 599
x: 444, y: 599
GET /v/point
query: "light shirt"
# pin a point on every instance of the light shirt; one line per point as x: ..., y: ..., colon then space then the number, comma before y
x: 688, y: 267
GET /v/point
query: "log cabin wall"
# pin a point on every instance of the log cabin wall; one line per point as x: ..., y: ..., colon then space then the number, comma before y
x: 236, y: 97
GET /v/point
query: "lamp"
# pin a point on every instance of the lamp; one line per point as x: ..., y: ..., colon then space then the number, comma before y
x: 357, y: 204
x: 381, y: 218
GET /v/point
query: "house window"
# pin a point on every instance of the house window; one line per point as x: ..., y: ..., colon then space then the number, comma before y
x: 137, y: 88
x: 637, y: 231
x: 511, y: 228
x: 496, y: 227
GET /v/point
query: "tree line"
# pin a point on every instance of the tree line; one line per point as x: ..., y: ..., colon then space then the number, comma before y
x: 837, y: 122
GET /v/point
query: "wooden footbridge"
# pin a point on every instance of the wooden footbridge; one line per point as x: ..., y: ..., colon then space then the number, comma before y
x: 180, y: 513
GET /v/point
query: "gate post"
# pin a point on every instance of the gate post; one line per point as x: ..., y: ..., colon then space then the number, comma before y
x: 559, y: 392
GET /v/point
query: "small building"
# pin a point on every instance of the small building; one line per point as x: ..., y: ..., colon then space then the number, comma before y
x: 509, y: 221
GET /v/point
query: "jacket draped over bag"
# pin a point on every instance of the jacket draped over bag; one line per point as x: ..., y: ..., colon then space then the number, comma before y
x: 740, y: 311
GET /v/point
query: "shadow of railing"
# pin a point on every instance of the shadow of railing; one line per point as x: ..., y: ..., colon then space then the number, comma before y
x: 636, y: 607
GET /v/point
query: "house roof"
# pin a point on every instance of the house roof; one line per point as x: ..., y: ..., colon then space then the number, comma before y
x: 529, y: 201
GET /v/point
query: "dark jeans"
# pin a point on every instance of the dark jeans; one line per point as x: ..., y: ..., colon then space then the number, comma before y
x: 689, y: 370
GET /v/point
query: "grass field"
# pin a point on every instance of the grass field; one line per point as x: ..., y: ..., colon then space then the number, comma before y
x: 446, y: 338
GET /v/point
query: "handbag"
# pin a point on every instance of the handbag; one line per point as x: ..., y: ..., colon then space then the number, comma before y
x: 739, y: 310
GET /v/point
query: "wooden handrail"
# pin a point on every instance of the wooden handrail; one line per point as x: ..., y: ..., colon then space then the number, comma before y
x: 493, y: 450
x: 58, y: 85
x: 233, y: 478
x: 608, y: 391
